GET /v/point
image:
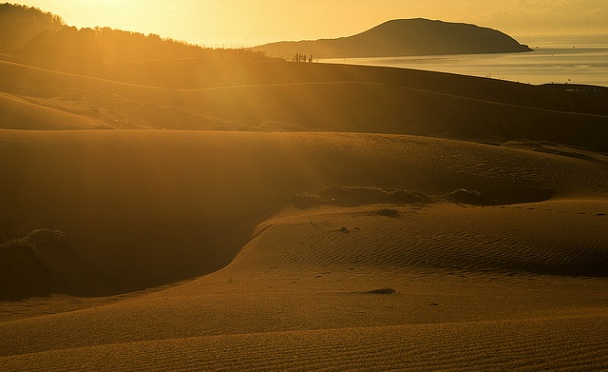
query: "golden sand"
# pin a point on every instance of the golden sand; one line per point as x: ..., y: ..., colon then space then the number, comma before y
x: 340, y: 223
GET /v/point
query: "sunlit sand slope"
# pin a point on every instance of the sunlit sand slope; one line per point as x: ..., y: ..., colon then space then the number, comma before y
x: 548, y: 238
x: 18, y: 113
x: 335, y: 319
x: 573, y: 343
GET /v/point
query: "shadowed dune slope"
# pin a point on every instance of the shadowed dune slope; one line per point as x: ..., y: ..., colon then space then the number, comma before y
x: 34, y: 81
x: 152, y: 207
x: 290, y: 97
x: 44, y: 263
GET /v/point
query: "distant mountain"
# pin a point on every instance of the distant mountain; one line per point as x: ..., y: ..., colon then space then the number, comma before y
x: 402, y: 37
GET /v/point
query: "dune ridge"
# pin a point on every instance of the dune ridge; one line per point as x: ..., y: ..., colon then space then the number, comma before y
x: 321, y: 98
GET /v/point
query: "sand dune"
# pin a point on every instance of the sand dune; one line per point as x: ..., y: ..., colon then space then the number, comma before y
x: 513, y: 345
x: 36, y: 81
x: 324, y: 98
x: 314, y: 227
x: 102, y: 188
x: 17, y: 113
x: 315, y: 320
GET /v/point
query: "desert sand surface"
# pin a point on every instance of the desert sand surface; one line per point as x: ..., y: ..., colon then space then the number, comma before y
x: 301, y: 217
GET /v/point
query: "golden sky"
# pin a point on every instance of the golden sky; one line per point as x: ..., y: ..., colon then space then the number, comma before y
x: 234, y: 23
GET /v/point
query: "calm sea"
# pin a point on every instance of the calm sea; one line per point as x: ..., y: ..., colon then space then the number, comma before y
x: 554, y: 59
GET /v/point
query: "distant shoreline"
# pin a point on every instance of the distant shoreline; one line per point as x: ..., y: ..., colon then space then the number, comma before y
x: 568, y: 59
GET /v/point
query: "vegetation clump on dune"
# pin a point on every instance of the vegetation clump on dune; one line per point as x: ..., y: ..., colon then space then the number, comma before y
x: 381, y: 291
x: 470, y: 197
x: 358, y: 195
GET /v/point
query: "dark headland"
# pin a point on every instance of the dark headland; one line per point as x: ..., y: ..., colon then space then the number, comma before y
x: 403, y: 37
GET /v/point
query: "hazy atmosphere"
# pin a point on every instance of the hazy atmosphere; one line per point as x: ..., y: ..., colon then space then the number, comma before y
x: 420, y: 190
x: 236, y: 23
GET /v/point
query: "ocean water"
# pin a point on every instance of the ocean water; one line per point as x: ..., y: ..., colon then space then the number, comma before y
x: 554, y: 59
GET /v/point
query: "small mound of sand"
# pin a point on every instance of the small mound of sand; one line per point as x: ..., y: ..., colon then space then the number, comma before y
x: 514, y: 194
x: 387, y: 212
x: 551, y: 148
x: 351, y: 196
x: 472, y: 197
x: 41, y: 264
x: 380, y: 291
x: 358, y: 195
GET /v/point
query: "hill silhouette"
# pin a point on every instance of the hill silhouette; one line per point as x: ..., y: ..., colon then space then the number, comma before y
x: 19, y: 24
x: 32, y: 37
x: 403, y: 37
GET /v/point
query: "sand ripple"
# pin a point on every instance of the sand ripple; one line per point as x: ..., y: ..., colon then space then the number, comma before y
x: 443, y: 236
x: 537, y: 344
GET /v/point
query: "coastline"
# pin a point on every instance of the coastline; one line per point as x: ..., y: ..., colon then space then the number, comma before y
x: 578, y: 59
